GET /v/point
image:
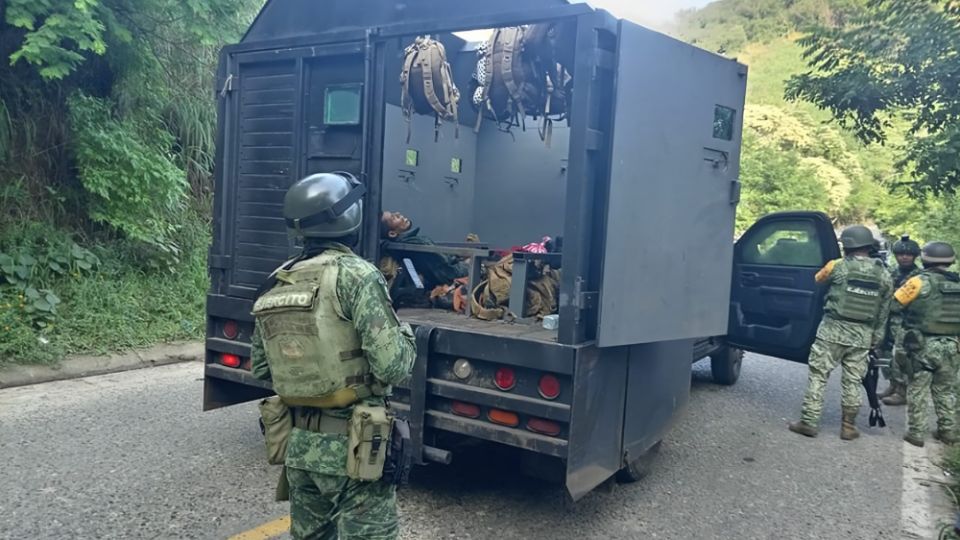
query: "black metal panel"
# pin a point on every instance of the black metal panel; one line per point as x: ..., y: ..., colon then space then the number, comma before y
x: 296, y: 18
x: 664, y: 144
x: 481, y: 429
x: 418, y: 391
x: 591, y: 112
x: 498, y: 348
x: 500, y: 400
x: 658, y: 388
x: 228, y: 307
x: 597, y: 419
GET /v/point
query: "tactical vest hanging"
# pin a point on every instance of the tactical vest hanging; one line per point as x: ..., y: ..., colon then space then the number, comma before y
x: 857, y: 297
x: 427, y: 84
x: 939, y: 312
x: 314, y: 353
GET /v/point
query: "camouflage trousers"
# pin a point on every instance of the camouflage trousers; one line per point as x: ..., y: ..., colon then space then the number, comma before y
x: 327, y: 507
x: 934, y: 375
x: 896, y: 373
x: 824, y: 358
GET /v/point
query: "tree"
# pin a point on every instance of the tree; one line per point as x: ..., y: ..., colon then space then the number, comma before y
x: 901, y: 59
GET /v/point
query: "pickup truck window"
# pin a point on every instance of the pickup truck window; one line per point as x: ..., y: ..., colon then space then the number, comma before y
x: 783, y: 243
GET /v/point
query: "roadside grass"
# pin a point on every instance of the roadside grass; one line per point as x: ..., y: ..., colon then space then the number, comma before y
x: 124, y: 303
x: 951, y: 464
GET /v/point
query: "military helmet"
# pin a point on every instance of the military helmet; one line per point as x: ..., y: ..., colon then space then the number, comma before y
x: 906, y: 246
x: 325, y: 205
x: 938, y: 253
x: 856, y: 236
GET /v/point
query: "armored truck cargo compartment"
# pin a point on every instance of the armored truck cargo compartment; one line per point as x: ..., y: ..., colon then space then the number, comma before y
x: 639, y: 179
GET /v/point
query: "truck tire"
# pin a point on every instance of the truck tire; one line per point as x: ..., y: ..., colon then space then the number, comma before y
x: 725, y: 365
x: 639, y: 468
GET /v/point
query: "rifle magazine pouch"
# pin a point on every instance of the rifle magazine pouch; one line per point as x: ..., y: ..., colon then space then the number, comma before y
x: 277, y: 424
x: 367, y: 442
x: 396, y: 471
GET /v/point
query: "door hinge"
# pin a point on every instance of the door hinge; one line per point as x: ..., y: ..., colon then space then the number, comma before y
x: 584, y: 300
x: 220, y: 262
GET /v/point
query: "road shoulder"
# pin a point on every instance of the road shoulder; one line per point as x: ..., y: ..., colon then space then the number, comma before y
x: 85, y: 366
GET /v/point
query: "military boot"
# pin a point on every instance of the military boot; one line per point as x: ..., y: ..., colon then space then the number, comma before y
x: 946, y: 437
x: 891, y: 390
x: 898, y: 398
x: 848, y: 426
x: 803, y: 428
x: 916, y: 441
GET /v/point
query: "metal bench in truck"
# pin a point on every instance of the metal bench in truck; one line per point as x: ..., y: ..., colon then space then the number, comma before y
x: 641, y: 183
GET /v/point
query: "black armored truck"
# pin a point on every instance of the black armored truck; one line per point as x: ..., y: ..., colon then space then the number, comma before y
x: 632, y: 159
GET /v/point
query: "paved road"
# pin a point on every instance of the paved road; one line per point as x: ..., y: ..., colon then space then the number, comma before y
x: 130, y: 455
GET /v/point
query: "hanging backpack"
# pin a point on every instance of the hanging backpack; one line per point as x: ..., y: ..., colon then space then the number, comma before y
x: 519, y: 73
x: 427, y: 85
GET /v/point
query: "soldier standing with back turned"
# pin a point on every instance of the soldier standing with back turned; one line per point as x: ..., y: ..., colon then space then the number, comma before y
x: 328, y: 338
x: 930, y: 306
x: 854, y: 320
x: 906, y: 252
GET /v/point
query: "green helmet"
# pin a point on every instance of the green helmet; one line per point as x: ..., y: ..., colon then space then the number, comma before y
x: 326, y: 205
x: 906, y: 246
x: 856, y: 236
x: 938, y: 253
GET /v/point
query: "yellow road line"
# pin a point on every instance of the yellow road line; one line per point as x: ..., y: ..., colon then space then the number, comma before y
x: 266, y: 531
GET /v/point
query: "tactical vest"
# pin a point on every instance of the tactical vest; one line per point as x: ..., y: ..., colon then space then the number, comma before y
x: 857, y: 297
x: 937, y: 313
x: 314, y: 353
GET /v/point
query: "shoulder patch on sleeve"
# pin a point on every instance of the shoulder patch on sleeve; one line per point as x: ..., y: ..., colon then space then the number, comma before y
x: 826, y: 271
x: 909, y: 291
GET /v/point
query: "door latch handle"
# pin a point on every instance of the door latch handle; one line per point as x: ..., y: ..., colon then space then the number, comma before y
x: 749, y: 278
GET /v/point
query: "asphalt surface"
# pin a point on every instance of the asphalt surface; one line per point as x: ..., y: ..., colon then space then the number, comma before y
x: 131, y: 455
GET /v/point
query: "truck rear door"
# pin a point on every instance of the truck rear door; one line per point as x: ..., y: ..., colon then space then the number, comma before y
x: 775, y: 303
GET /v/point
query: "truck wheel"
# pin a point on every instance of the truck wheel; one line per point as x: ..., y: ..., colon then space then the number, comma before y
x: 639, y: 468
x: 725, y: 365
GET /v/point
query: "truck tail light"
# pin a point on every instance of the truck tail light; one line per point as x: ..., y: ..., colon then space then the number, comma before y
x: 544, y: 427
x: 549, y: 387
x: 230, y: 360
x: 505, y: 379
x: 231, y: 330
x: 504, y: 418
x: 465, y: 409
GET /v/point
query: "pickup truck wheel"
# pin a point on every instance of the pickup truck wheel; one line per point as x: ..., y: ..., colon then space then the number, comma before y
x: 725, y: 365
x: 639, y: 468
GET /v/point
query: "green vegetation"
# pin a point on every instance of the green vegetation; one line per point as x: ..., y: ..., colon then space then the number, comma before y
x: 795, y: 155
x: 107, y: 122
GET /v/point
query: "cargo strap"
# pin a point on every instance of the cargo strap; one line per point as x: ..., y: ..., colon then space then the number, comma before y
x: 319, y: 421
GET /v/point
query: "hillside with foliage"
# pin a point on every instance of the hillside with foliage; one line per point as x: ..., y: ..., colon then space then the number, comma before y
x: 795, y: 156
x: 107, y: 115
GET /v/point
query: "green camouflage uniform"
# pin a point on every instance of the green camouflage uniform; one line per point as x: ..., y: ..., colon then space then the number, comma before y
x: 843, y: 343
x: 896, y: 372
x: 933, y: 362
x: 324, y: 503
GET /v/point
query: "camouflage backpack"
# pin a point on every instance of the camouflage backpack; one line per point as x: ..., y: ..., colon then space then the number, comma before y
x: 520, y: 73
x: 427, y: 85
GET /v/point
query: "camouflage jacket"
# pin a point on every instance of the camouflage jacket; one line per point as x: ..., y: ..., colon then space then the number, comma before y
x: 853, y: 334
x: 387, y: 344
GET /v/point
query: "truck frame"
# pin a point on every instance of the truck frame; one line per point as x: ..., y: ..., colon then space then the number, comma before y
x: 641, y: 183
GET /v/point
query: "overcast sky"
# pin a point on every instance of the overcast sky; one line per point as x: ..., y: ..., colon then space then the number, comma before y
x: 646, y: 11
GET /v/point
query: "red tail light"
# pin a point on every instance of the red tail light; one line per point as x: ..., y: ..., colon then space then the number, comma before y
x: 465, y: 409
x: 504, y: 418
x: 230, y: 360
x: 505, y: 379
x: 544, y: 427
x: 231, y: 330
x: 549, y: 387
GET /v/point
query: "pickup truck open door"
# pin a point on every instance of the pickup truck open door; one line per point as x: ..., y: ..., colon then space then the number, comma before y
x: 775, y: 303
